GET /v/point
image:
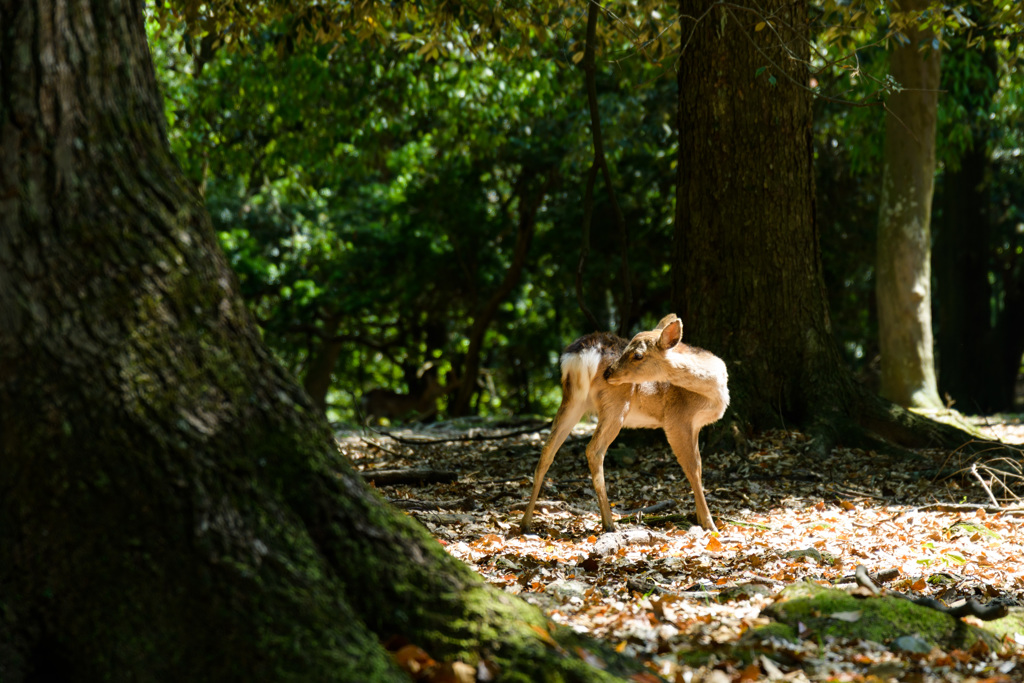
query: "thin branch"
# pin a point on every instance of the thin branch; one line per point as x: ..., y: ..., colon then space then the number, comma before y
x: 471, y: 437
x: 693, y: 29
x: 588, y: 213
x: 974, y: 471
x: 600, y: 160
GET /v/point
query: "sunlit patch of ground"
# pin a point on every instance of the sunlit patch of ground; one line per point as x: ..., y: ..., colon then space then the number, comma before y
x: 945, y: 524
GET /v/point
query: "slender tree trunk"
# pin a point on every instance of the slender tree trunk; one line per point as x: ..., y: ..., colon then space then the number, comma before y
x: 172, y: 506
x: 1009, y: 330
x: 903, y: 272
x: 747, y: 275
x: 530, y: 199
x: 323, y: 357
x: 601, y: 162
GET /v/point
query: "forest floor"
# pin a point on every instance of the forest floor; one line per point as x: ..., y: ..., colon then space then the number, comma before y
x: 942, y: 524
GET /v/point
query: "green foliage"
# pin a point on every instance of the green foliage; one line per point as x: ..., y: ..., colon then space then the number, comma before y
x: 365, y: 166
x: 371, y: 196
x: 979, y: 102
x: 439, y: 30
x: 851, y: 64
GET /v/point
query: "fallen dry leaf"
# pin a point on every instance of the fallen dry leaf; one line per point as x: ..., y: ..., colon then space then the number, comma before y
x: 677, y: 589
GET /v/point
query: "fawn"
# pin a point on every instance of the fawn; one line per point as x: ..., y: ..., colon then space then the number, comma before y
x: 654, y: 381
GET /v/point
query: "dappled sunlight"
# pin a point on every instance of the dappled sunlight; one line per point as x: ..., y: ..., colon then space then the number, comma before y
x: 661, y: 587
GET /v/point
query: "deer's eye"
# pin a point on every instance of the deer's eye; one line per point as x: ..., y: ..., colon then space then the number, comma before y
x: 638, y: 355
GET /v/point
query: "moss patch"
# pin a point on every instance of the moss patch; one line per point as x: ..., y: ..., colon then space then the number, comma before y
x: 1009, y: 625
x: 831, y: 613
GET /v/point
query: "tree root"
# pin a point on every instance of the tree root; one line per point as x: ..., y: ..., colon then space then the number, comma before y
x: 872, y: 423
x: 972, y: 607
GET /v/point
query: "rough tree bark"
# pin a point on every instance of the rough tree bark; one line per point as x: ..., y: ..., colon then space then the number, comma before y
x: 747, y: 277
x: 903, y: 264
x: 172, y: 506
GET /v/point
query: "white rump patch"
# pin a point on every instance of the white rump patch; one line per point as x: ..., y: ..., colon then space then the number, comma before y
x: 580, y: 368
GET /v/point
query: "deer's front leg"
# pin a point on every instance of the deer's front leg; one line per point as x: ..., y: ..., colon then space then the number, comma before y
x: 684, y: 444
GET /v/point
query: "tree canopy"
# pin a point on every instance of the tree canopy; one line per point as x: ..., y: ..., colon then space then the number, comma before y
x: 349, y: 155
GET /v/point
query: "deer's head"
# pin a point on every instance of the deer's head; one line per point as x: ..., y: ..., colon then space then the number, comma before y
x: 644, y: 357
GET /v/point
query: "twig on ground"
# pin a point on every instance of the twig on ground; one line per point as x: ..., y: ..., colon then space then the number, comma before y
x: 379, y: 447
x: 880, y: 576
x: 968, y: 507
x: 974, y: 471
x: 459, y: 439
x: 656, y: 507
x: 420, y: 476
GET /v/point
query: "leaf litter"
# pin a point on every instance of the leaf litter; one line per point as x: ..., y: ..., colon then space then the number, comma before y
x: 940, y: 524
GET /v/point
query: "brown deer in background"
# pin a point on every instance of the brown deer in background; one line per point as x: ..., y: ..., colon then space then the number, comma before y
x: 384, y: 403
x: 654, y: 381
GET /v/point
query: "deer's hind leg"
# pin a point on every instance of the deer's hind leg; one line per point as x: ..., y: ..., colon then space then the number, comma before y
x: 608, y: 427
x: 568, y: 416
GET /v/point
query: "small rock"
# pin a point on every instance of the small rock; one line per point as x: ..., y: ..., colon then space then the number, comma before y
x: 742, y: 592
x: 565, y: 589
x: 812, y: 553
x: 911, y: 644
x: 886, y: 670
x: 622, y: 456
x: 609, y: 544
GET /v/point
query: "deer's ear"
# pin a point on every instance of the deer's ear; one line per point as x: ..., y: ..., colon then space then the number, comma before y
x: 671, y: 335
x: 665, y: 321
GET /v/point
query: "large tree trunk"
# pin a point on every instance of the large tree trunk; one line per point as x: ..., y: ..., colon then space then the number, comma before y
x: 903, y: 272
x: 979, y: 321
x: 969, y: 372
x: 747, y: 274
x: 173, y: 506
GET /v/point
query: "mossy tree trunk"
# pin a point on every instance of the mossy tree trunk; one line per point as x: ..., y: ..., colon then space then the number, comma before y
x: 173, y: 506
x: 747, y: 275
